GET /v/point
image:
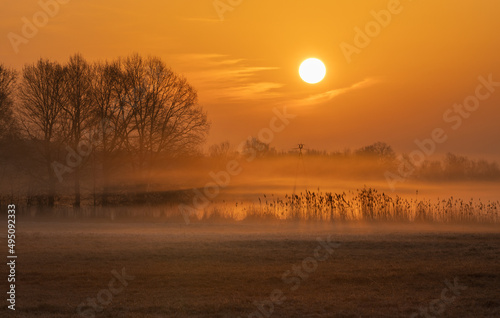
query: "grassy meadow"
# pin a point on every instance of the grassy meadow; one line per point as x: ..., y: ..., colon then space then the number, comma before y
x: 231, y: 270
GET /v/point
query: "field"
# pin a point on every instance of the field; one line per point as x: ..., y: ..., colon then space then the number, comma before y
x: 249, y: 159
x: 359, y: 269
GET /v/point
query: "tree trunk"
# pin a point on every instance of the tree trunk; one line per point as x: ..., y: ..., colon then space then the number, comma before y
x: 77, y: 188
x: 52, y: 186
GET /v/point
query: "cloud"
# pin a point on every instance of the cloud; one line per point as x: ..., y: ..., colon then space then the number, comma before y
x: 329, y: 95
x: 230, y: 75
x: 205, y: 61
x: 253, y: 91
x: 225, y: 77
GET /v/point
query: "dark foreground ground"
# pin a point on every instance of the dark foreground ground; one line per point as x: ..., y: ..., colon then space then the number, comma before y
x: 213, y: 270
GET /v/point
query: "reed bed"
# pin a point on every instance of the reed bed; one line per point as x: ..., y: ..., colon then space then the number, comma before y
x: 365, y: 204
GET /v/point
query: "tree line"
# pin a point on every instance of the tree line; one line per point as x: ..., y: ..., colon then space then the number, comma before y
x: 67, y: 113
x: 451, y: 167
x: 63, y: 122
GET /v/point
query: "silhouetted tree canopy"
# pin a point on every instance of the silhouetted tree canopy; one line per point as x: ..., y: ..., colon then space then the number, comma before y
x: 7, y: 121
x: 379, y: 150
x: 77, y: 111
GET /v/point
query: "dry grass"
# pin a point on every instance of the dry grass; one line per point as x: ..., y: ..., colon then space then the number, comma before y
x: 219, y: 270
x: 364, y: 204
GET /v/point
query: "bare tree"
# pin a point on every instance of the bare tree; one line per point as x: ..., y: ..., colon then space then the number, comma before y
x: 221, y: 150
x: 78, y: 109
x: 111, y: 122
x: 41, y: 96
x: 7, y: 120
x: 380, y: 150
x: 253, y: 147
x: 8, y: 127
x: 164, y: 108
x: 136, y: 106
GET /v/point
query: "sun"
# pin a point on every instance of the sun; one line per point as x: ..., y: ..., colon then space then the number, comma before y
x: 312, y: 71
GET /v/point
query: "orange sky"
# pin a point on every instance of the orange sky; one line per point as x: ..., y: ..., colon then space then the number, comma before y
x: 398, y: 87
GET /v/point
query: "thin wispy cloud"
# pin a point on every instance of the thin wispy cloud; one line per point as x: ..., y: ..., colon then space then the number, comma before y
x: 237, y: 73
x: 208, y: 60
x: 331, y: 94
x: 253, y: 91
x: 228, y: 77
